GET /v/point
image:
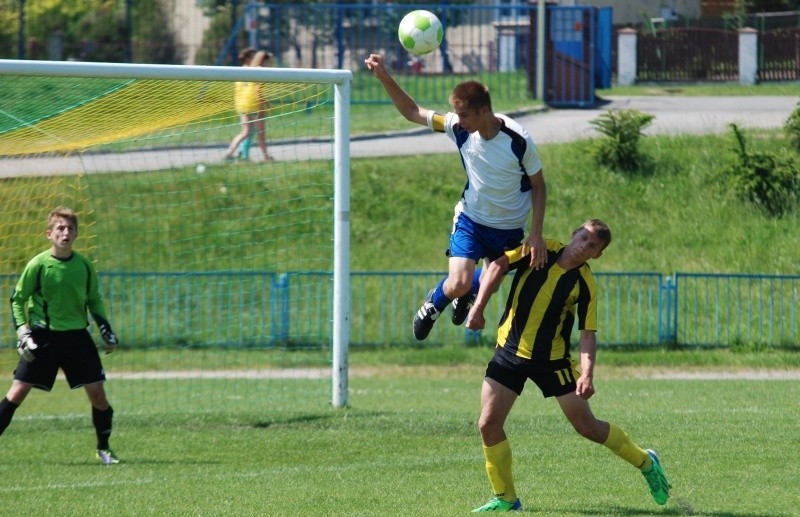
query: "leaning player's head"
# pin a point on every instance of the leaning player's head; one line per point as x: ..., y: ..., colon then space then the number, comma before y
x: 62, y: 212
x: 599, y: 229
x: 470, y: 95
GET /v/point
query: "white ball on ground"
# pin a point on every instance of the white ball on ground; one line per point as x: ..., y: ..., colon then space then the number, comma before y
x: 201, y: 168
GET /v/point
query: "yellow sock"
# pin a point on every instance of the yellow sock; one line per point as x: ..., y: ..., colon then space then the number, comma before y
x: 619, y: 443
x: 498, y: 467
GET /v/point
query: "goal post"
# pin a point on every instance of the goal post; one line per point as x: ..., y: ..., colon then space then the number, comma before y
x: 196, y: 250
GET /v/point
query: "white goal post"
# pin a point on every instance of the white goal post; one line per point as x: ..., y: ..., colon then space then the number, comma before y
x: 341, y: 81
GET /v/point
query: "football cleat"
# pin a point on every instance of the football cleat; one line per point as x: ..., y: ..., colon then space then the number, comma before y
x: 499, y: 505
x: 107, y: 457
x: 461, y: 307
x: 656, y: 479
x: 425, y: 317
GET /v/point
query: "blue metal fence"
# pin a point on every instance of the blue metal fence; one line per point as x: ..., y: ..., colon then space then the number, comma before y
x: 732, y: 309
x: 265, y: 309
x: 488, y: 42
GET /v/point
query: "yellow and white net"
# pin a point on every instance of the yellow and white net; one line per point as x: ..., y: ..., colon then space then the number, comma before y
x: 211, y: 259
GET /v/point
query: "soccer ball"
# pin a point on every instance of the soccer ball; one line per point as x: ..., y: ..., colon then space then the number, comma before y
x: 420, y: 32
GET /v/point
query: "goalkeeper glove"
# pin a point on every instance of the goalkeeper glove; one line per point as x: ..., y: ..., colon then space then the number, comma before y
x: 108, y: 336
x: 26, y: 346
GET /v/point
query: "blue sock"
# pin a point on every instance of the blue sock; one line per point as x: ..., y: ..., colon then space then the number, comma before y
x: 440, y: 301
x: 476, y: 281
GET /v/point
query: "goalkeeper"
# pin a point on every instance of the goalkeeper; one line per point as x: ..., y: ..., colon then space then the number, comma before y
x: 49, y: 309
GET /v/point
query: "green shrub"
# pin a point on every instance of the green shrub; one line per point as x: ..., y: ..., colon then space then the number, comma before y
x: 792, y: 128
x: 618, y: 148
x: 768, y: 180
x: 91, y: 30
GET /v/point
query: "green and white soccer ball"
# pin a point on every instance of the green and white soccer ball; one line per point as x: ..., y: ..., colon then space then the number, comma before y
x: 420, y: 32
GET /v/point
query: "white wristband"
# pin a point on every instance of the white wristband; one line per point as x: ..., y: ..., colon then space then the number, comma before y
x: 431, y: 113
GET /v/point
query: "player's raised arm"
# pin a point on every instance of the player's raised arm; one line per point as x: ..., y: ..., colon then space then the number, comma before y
x: 406, y: 105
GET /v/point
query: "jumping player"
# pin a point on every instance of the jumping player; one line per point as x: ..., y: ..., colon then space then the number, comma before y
x: 504, y: 180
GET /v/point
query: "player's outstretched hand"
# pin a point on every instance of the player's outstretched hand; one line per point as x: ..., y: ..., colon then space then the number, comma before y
x: 26, y: 346
x: 109, y: 338
x: 374, y: 63
x: 475, y: 320
x: 536, y: 247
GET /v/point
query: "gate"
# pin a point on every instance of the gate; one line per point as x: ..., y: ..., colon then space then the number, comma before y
x: 577, y: 54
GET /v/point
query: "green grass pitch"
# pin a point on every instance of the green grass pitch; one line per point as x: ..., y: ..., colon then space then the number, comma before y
x: 408, y: 445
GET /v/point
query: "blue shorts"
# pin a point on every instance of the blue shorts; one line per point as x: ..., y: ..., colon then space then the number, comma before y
x: 476, y: 241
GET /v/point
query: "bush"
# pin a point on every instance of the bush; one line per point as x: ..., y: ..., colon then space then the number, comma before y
x: 91, y: 30
x: 618, y: 149
x: 792, y: 128
x: 768, y: 180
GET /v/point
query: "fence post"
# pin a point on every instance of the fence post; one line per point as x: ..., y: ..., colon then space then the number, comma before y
x: 748, y: 56
x: 667, y: 322
x: 472, y: 337
x: 282, y: 294
x: 626, y: 56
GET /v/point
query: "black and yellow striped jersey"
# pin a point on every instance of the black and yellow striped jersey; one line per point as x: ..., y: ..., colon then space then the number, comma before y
x: 543, y: 304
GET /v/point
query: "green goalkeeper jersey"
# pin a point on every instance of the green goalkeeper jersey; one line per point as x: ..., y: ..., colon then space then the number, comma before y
x: 56, y: 293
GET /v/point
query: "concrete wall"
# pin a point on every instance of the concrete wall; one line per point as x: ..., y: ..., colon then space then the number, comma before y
x: 189, y: 24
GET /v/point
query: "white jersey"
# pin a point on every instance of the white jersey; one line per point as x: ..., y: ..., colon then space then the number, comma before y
x: 498, y: 191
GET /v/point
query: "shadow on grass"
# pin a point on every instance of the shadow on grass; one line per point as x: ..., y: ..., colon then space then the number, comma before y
x: 673, y: 507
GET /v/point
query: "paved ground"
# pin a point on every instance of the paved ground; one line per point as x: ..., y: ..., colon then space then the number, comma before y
x: 673, y: 115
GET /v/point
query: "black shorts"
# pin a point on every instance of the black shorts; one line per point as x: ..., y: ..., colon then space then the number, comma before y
x: 73, y: 351
x: 554, y: 378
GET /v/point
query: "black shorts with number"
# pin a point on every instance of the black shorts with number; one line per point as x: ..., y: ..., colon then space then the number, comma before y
x: 554, y: 378
x: 73, y: 351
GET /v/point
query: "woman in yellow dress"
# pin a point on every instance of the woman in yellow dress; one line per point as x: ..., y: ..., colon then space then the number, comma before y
x: 251, y: 104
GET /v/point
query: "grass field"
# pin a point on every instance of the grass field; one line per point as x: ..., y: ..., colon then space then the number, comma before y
x: 725, y: 423
x: 408, y: 445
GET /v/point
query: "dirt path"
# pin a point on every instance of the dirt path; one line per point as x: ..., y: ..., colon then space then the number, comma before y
x: 464, y: 371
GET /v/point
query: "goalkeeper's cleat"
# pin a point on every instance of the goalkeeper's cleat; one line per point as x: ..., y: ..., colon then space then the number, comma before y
x: 107, y: 457
x: 461, y: 307
x: 425, y: 317
x: 499, y: 505
x: 656, y: 479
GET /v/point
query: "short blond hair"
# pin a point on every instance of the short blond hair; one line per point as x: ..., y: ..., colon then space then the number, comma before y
x: 62, y: 212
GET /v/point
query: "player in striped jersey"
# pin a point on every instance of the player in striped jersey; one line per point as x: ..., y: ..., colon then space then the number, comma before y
x: 505, y: 183
x: 533, y: 342
x: 49, y: 309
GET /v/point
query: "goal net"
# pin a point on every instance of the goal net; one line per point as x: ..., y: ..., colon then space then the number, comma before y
x: 224, y: 277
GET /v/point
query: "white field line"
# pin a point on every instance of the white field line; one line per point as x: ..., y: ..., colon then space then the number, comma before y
x: 745, y: 375
x: 290, y: 373
x: 73, y: 486
x: 325, y: 373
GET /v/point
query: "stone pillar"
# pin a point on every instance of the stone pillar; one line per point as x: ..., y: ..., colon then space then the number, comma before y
x: 626, y: 57
x: 748, y: 56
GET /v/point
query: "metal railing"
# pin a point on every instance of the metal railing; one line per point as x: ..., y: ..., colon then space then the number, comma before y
x: 293, y: 309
